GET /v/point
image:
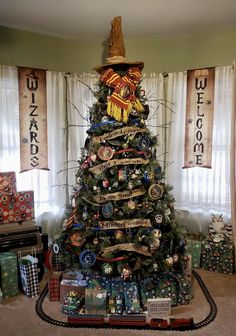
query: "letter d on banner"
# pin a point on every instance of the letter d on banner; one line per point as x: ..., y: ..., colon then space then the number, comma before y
x: 33, y: 119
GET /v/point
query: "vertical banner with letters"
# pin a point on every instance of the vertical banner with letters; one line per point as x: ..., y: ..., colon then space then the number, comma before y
x: 33, y: 119
x: 199, y: 118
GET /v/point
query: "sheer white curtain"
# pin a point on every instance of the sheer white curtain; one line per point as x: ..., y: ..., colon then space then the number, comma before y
x: 80, y: 98
x: 202, y: 191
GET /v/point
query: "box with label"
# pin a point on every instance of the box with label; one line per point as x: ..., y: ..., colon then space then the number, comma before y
x: 8, y: 182
x: 17, y: 207
x: 159, y: 307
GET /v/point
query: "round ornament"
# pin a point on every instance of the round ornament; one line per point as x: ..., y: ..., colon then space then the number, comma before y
x: 131, y: 204
x: 77, y: 239
x: 155, y: 191
x: 105, y: 153
x: 107, y: 210
x: 144, y: 143
x: 87, y: 258
x: 107, y: 269
x: 119, y: 234
x: 169, y: 261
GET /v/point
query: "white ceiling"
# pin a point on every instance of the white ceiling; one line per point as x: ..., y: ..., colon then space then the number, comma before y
x: 140, y: 18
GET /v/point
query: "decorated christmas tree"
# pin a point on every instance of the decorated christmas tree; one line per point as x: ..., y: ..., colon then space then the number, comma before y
x: 123, y: 220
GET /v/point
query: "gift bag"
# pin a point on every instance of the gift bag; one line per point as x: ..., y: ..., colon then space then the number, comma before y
x: 28, y: 268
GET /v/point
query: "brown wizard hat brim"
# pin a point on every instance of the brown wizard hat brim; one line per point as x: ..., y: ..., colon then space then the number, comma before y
x: 101, y: 68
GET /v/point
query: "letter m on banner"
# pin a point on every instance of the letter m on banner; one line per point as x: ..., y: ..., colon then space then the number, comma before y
x: 199, y: 118
x: 33, y: 119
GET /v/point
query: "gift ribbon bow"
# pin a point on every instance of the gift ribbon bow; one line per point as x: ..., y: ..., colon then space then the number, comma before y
x: 123, y: 98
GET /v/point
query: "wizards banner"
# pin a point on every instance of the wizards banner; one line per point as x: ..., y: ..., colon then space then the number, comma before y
x: 33, y: 119
x: 199, y: 118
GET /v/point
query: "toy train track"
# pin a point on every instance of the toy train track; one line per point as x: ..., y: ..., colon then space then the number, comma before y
x: 131, y: 321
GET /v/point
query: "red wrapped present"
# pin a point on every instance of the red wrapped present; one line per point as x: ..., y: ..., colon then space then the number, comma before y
x: 8, y: 182
x: 54, y: 286
x: 17, y: 207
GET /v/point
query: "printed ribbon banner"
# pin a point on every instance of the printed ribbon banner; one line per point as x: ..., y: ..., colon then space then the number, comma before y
x: 33, y: 119
x: 119, y: 132
x: 103, y: 166
x: 127, y: 247
x: 124, y: 224
x: 120, y: 195
x: 199, y: 118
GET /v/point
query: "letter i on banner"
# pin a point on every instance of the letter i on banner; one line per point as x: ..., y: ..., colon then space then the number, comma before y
x: 199, y: 118
x: 33, y: 119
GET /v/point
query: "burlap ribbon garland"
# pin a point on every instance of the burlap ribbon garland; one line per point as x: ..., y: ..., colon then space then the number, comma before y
x: 123, y: 99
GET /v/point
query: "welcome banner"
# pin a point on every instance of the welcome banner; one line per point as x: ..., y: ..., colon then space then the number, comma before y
x: 33, y: 119
x: 199, y: 118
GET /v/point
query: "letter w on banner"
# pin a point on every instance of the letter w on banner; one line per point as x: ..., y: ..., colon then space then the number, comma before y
x: 33, y: 119
x: 199, y: 118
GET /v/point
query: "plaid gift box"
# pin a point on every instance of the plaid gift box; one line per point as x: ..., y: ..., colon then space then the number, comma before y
x: 8, y: 182
x: 218, y: 256
x: 54, y: 286
x: 9, y: 274
x: 17, y: 207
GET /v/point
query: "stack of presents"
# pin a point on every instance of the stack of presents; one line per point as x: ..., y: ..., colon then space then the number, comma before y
x: 19, y: 238
x: 216, y: 251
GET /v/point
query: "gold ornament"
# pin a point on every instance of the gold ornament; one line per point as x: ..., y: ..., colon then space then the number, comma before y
x: 119, y: 234
x: 169, y: 261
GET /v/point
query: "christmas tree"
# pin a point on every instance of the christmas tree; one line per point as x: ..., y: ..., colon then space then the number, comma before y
x: 123, y: 220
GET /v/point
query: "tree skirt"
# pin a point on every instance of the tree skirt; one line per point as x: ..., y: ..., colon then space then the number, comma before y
x: 132, y: 321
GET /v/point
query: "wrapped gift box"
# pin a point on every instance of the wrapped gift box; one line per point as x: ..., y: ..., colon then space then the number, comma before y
x: 8, y: 182
x: 9, y: 274
x: 17, y: 207
x: 162, y: 285
x: 71, y: 303
x: 194, y: 248
x: 67, y: 286
x: 218, y: 256
x: 184, y: 289
x: 95, y: 301
x: 54, y: 286
x: 132, y: 301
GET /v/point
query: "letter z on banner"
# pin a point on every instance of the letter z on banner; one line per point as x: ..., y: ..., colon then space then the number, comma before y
x: 33, y: 119
x: 199, y: 118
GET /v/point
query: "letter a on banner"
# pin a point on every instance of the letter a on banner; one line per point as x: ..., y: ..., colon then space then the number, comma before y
x: 33, y: 119
x: 199, y: 118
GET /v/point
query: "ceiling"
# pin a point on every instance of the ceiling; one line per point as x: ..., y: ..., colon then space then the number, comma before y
x: 140, y: 18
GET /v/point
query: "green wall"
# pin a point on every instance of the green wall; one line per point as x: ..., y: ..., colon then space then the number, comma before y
x: 23, y: 48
